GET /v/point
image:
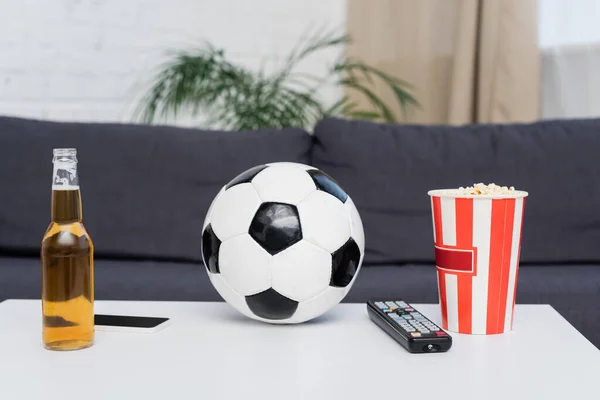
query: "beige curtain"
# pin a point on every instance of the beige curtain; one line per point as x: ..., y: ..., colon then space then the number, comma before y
x: 468, y: 60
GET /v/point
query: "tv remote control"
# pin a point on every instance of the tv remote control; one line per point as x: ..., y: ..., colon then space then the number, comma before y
x: 407, y: 326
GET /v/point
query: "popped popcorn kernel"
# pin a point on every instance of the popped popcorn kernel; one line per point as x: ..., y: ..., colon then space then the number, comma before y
x: 483, y: 189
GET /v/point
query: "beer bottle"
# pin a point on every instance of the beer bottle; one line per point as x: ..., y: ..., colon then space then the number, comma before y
x: 67, y: 257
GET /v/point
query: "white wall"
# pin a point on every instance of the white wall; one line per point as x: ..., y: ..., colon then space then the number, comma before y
x: 88, y: 60
x: 568, y: 22
x: 569, y: 38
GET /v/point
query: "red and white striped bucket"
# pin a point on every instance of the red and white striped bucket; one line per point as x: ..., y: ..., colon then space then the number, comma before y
x: 477, y: 247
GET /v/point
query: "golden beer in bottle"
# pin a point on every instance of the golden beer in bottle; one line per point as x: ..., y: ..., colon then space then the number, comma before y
x: 67, y: 256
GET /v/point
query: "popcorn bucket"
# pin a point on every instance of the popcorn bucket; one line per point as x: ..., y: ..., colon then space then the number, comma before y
x: 477, y: 240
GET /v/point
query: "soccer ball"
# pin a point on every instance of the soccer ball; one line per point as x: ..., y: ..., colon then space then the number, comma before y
x: 282, y: 243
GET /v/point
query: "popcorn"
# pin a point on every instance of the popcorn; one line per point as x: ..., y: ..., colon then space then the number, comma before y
x: 483, y: 189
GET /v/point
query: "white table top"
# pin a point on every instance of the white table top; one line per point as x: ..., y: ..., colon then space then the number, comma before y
x: 212, y: 352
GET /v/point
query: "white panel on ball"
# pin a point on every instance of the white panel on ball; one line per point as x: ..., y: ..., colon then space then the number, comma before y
x: 319, y: 304
x: 301, y: 271
x: 358, y: 233
x: 324, y: 220
x: 207, y: 219
x: 283, y: 183
x: 234, y: 299
x: 233, y: 211
x: 244, y: 265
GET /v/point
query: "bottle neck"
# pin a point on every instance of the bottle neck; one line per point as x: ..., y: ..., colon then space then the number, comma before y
x: 66, y: 197
x: 66, y: 206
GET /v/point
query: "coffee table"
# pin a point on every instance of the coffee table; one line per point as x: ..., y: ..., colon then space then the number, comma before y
x: 212, y: 352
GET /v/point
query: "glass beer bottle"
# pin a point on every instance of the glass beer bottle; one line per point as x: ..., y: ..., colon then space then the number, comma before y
x: 67, y: 256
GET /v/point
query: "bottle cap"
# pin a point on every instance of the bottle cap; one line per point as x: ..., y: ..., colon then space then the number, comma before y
x: 64, y: 152
x: 64, y: 155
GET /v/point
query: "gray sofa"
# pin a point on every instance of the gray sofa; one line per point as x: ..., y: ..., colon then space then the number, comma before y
x: 146, y: 190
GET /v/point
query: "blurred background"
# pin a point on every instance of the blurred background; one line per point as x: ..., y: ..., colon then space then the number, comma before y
x: 207, y: 62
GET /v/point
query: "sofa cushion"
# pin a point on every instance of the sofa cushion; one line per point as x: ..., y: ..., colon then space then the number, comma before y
x: 145, y: 189
x: 388, y: 169
x: 20, y: 278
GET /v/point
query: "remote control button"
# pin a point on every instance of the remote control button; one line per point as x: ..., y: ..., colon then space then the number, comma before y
x: 406, y: 317
x: 439, y: 333
x: 415, y: 334
x: 409, y: 330
x: 409, y: 309
x: 391, y: 304
x: 424, y: 330
x: 381, y: 305
x: 402, y: 304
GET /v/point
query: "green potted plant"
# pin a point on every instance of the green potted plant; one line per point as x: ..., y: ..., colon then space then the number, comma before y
x: 205, y: 82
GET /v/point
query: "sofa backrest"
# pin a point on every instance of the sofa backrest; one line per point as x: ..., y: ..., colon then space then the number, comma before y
x: 145, y: 189
x: 388, y: 169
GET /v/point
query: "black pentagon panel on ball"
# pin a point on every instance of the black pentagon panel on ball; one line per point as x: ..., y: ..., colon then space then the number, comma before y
x: 276, y: 226
x: 327, y: 184
x: 271, y: 305
x: 246, y: 176
x: 344, y: 264
x: 210, y: 249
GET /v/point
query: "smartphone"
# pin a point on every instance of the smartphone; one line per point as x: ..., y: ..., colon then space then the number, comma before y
x: 129, y: 323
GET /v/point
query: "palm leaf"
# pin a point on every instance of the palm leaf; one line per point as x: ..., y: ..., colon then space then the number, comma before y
x: 316, y: 42
x: 364, y: 114
x: 385, y: 111
x: 399, y: 87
